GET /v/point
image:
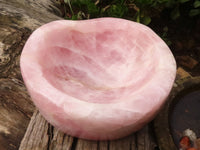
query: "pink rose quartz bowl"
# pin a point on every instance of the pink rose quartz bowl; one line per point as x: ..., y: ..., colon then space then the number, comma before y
x: 98, y: 79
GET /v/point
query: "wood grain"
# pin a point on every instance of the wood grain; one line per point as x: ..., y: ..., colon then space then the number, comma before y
x: 40, y: 135
x: 15, y: 112
x: 18, y: 18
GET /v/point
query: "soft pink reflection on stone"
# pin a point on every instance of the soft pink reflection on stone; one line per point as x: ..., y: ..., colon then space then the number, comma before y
x: 97, y: 79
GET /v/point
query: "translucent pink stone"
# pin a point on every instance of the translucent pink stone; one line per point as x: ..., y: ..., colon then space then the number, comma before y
x: 97, y: 79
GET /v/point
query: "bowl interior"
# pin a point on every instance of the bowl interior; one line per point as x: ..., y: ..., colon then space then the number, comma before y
x: 104, y: 66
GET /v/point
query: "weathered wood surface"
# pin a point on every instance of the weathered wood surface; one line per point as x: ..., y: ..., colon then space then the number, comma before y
x: 40, y: 135
x: 15, y: 112
x: 18, y: 18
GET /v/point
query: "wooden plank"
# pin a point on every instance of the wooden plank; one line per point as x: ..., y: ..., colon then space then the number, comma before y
x: 145, y: 140
x: 36, y: 136
x: 103, y: 145
x: 127, y: 143
x: 18, y: 18
x: 40, y: 135
x: 86, y: 145
x: 15, y: 112
x: 59, y: 140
